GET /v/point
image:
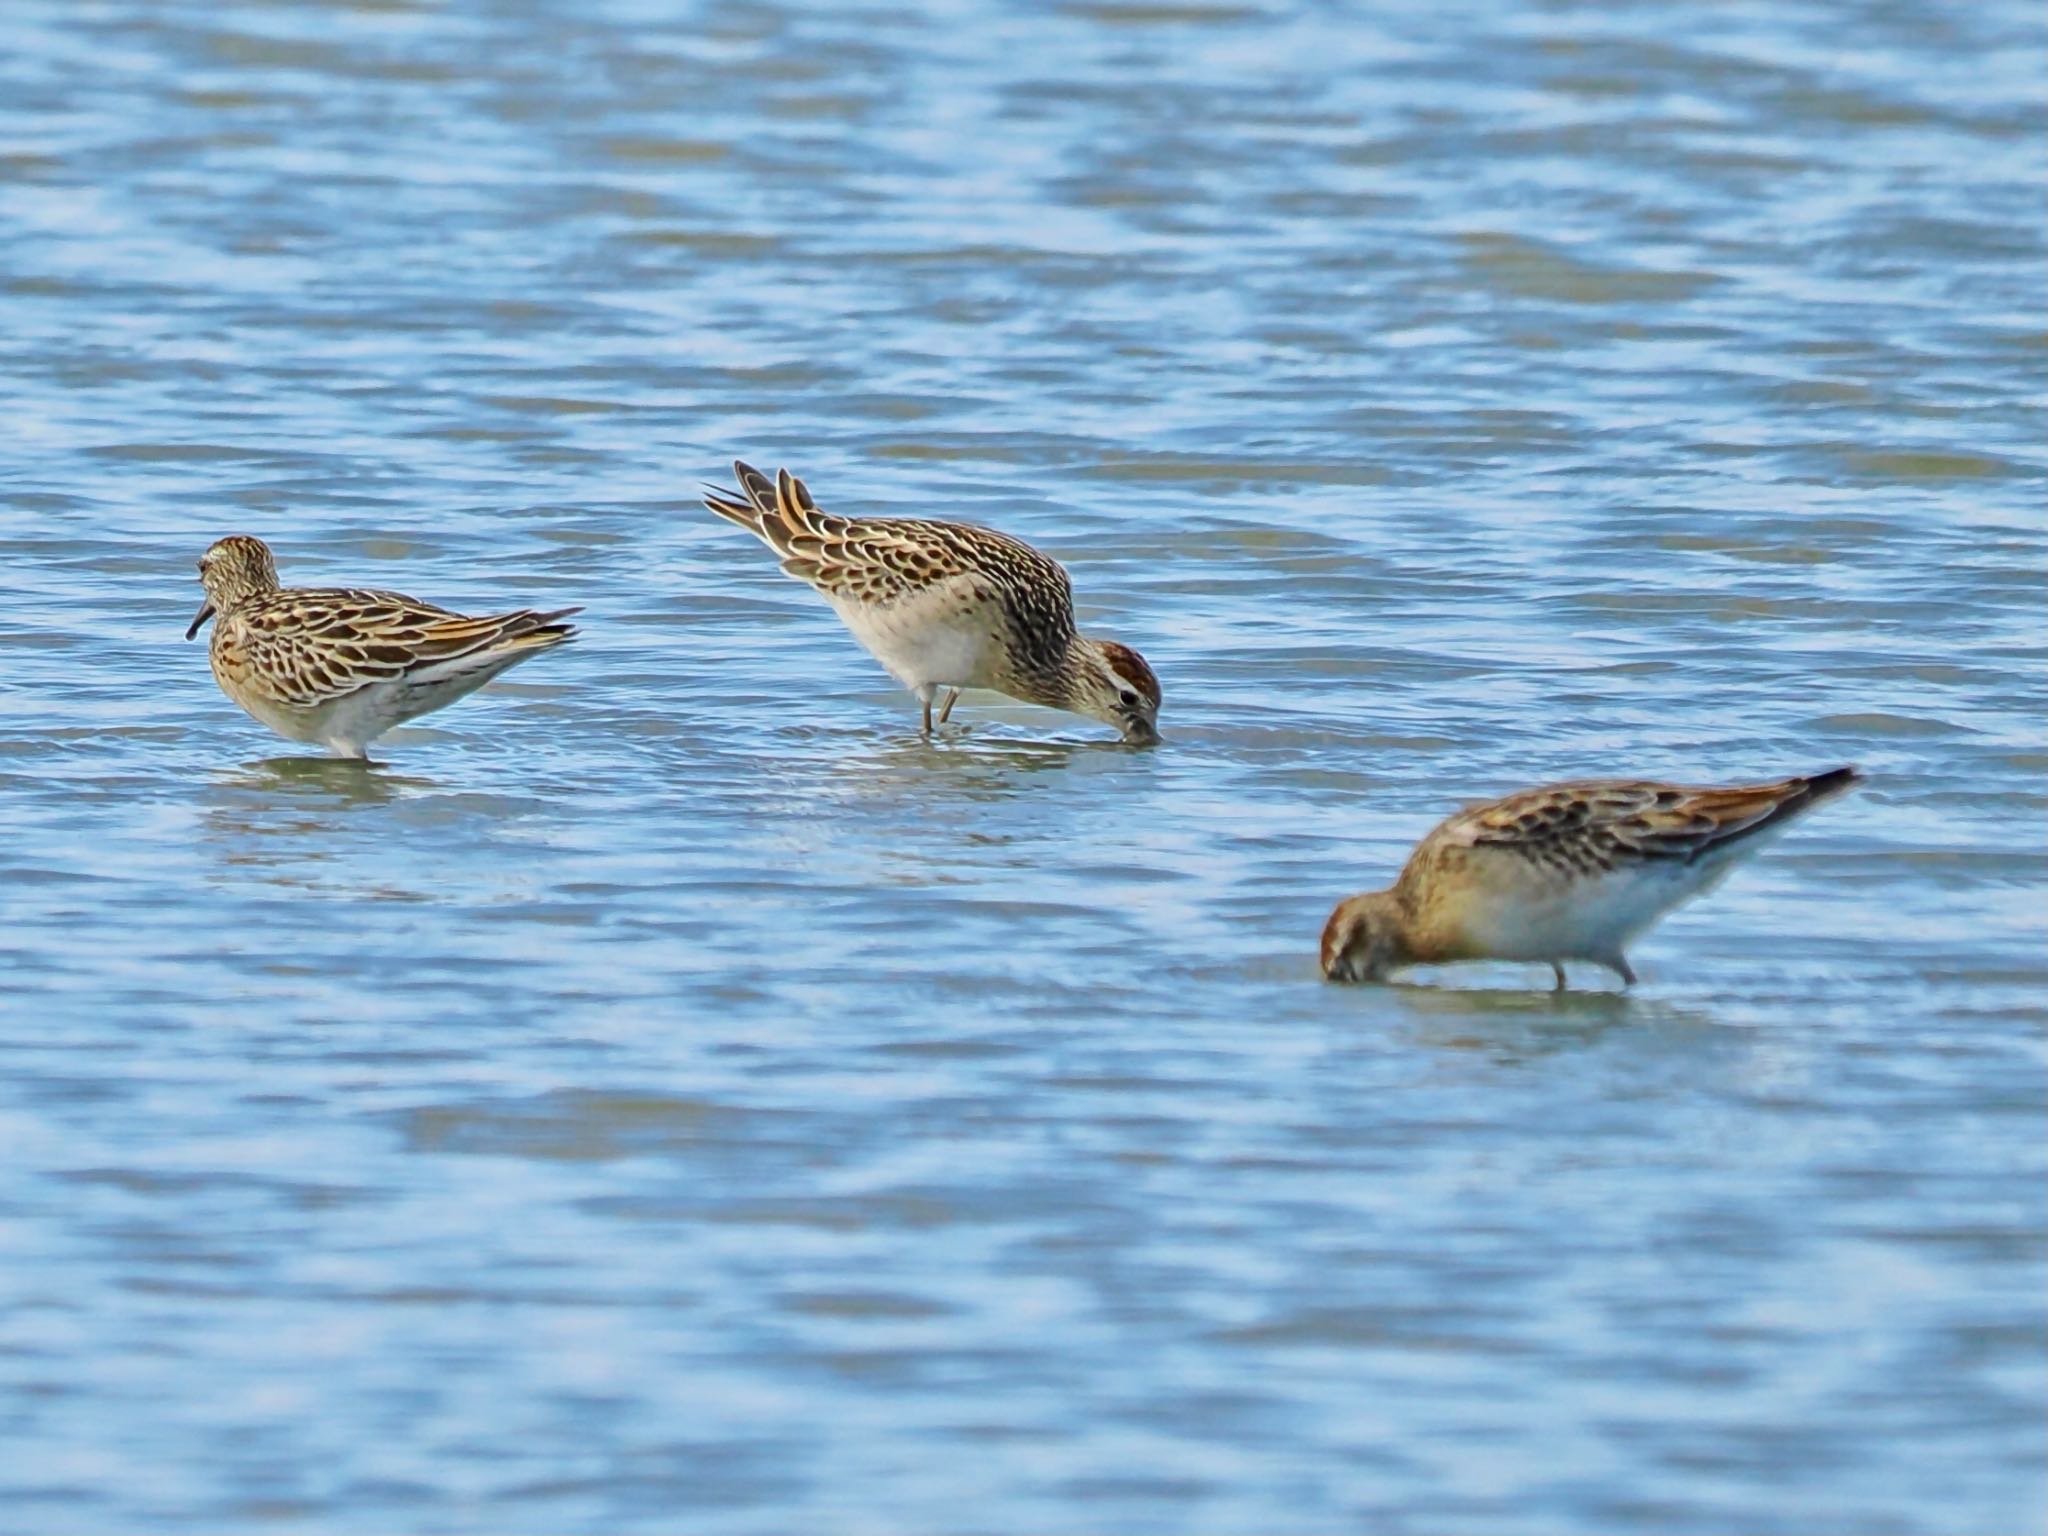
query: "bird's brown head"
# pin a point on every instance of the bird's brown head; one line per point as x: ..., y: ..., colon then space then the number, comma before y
x: 1119, y: 689
x: 236, y: 568
x: 1362, y: 941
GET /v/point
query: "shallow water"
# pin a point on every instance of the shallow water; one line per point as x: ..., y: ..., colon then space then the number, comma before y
x: 667, y: 1094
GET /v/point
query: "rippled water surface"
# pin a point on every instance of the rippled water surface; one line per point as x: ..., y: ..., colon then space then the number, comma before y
x: 665, y: 1094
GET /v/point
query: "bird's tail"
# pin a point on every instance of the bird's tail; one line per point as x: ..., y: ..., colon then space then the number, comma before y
x: 531, y: 631
x: 776, y: 511
x: 1723, y: 818
x: 754, y: 509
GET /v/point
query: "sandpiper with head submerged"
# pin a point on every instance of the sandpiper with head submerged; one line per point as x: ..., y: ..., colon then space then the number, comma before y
x: 1566, y: 872
x: 342, y: 666
x: 946, y: 606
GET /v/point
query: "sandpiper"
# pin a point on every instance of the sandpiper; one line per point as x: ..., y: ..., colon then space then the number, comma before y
x: 343, y: 666
x: 946, y: 606
x: 1565, y: 872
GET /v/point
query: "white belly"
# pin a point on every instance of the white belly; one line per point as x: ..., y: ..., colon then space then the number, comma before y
x: 925, y: 643
x: 1588, y: 918
x: 291, y: 724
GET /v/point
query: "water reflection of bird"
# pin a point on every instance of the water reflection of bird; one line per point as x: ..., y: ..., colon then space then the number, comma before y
x: 325, y: 781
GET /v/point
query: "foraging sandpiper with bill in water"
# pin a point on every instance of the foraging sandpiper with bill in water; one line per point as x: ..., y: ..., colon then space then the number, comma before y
x: 946, y: 606
x: 1566, y: 872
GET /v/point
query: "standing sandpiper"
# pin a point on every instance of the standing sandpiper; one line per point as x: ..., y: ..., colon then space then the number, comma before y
x: 947, y: 606
x: 1567, y: 872
x: 343, y: 666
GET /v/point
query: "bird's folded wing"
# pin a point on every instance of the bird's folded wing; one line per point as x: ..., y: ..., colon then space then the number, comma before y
x: 318, y: 646
x: 1603, y: 825
x: 884, y: 560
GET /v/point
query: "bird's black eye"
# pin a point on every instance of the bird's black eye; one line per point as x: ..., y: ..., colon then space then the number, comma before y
x: 1129, y: 699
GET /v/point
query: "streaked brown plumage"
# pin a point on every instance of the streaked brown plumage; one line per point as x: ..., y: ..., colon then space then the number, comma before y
x: 341, y: 666
x: 946, y: 606
x: 1566, y: 872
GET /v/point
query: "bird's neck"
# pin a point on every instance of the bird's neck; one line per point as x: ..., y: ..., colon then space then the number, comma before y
x: 1055, y: 681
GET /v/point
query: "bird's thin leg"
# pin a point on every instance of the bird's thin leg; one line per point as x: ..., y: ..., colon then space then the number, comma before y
x: 926, y: 728
x: 946, y: 709
x: 1557, y: 969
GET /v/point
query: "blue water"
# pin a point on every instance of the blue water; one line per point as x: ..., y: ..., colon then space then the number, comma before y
x: 666, y: 1095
